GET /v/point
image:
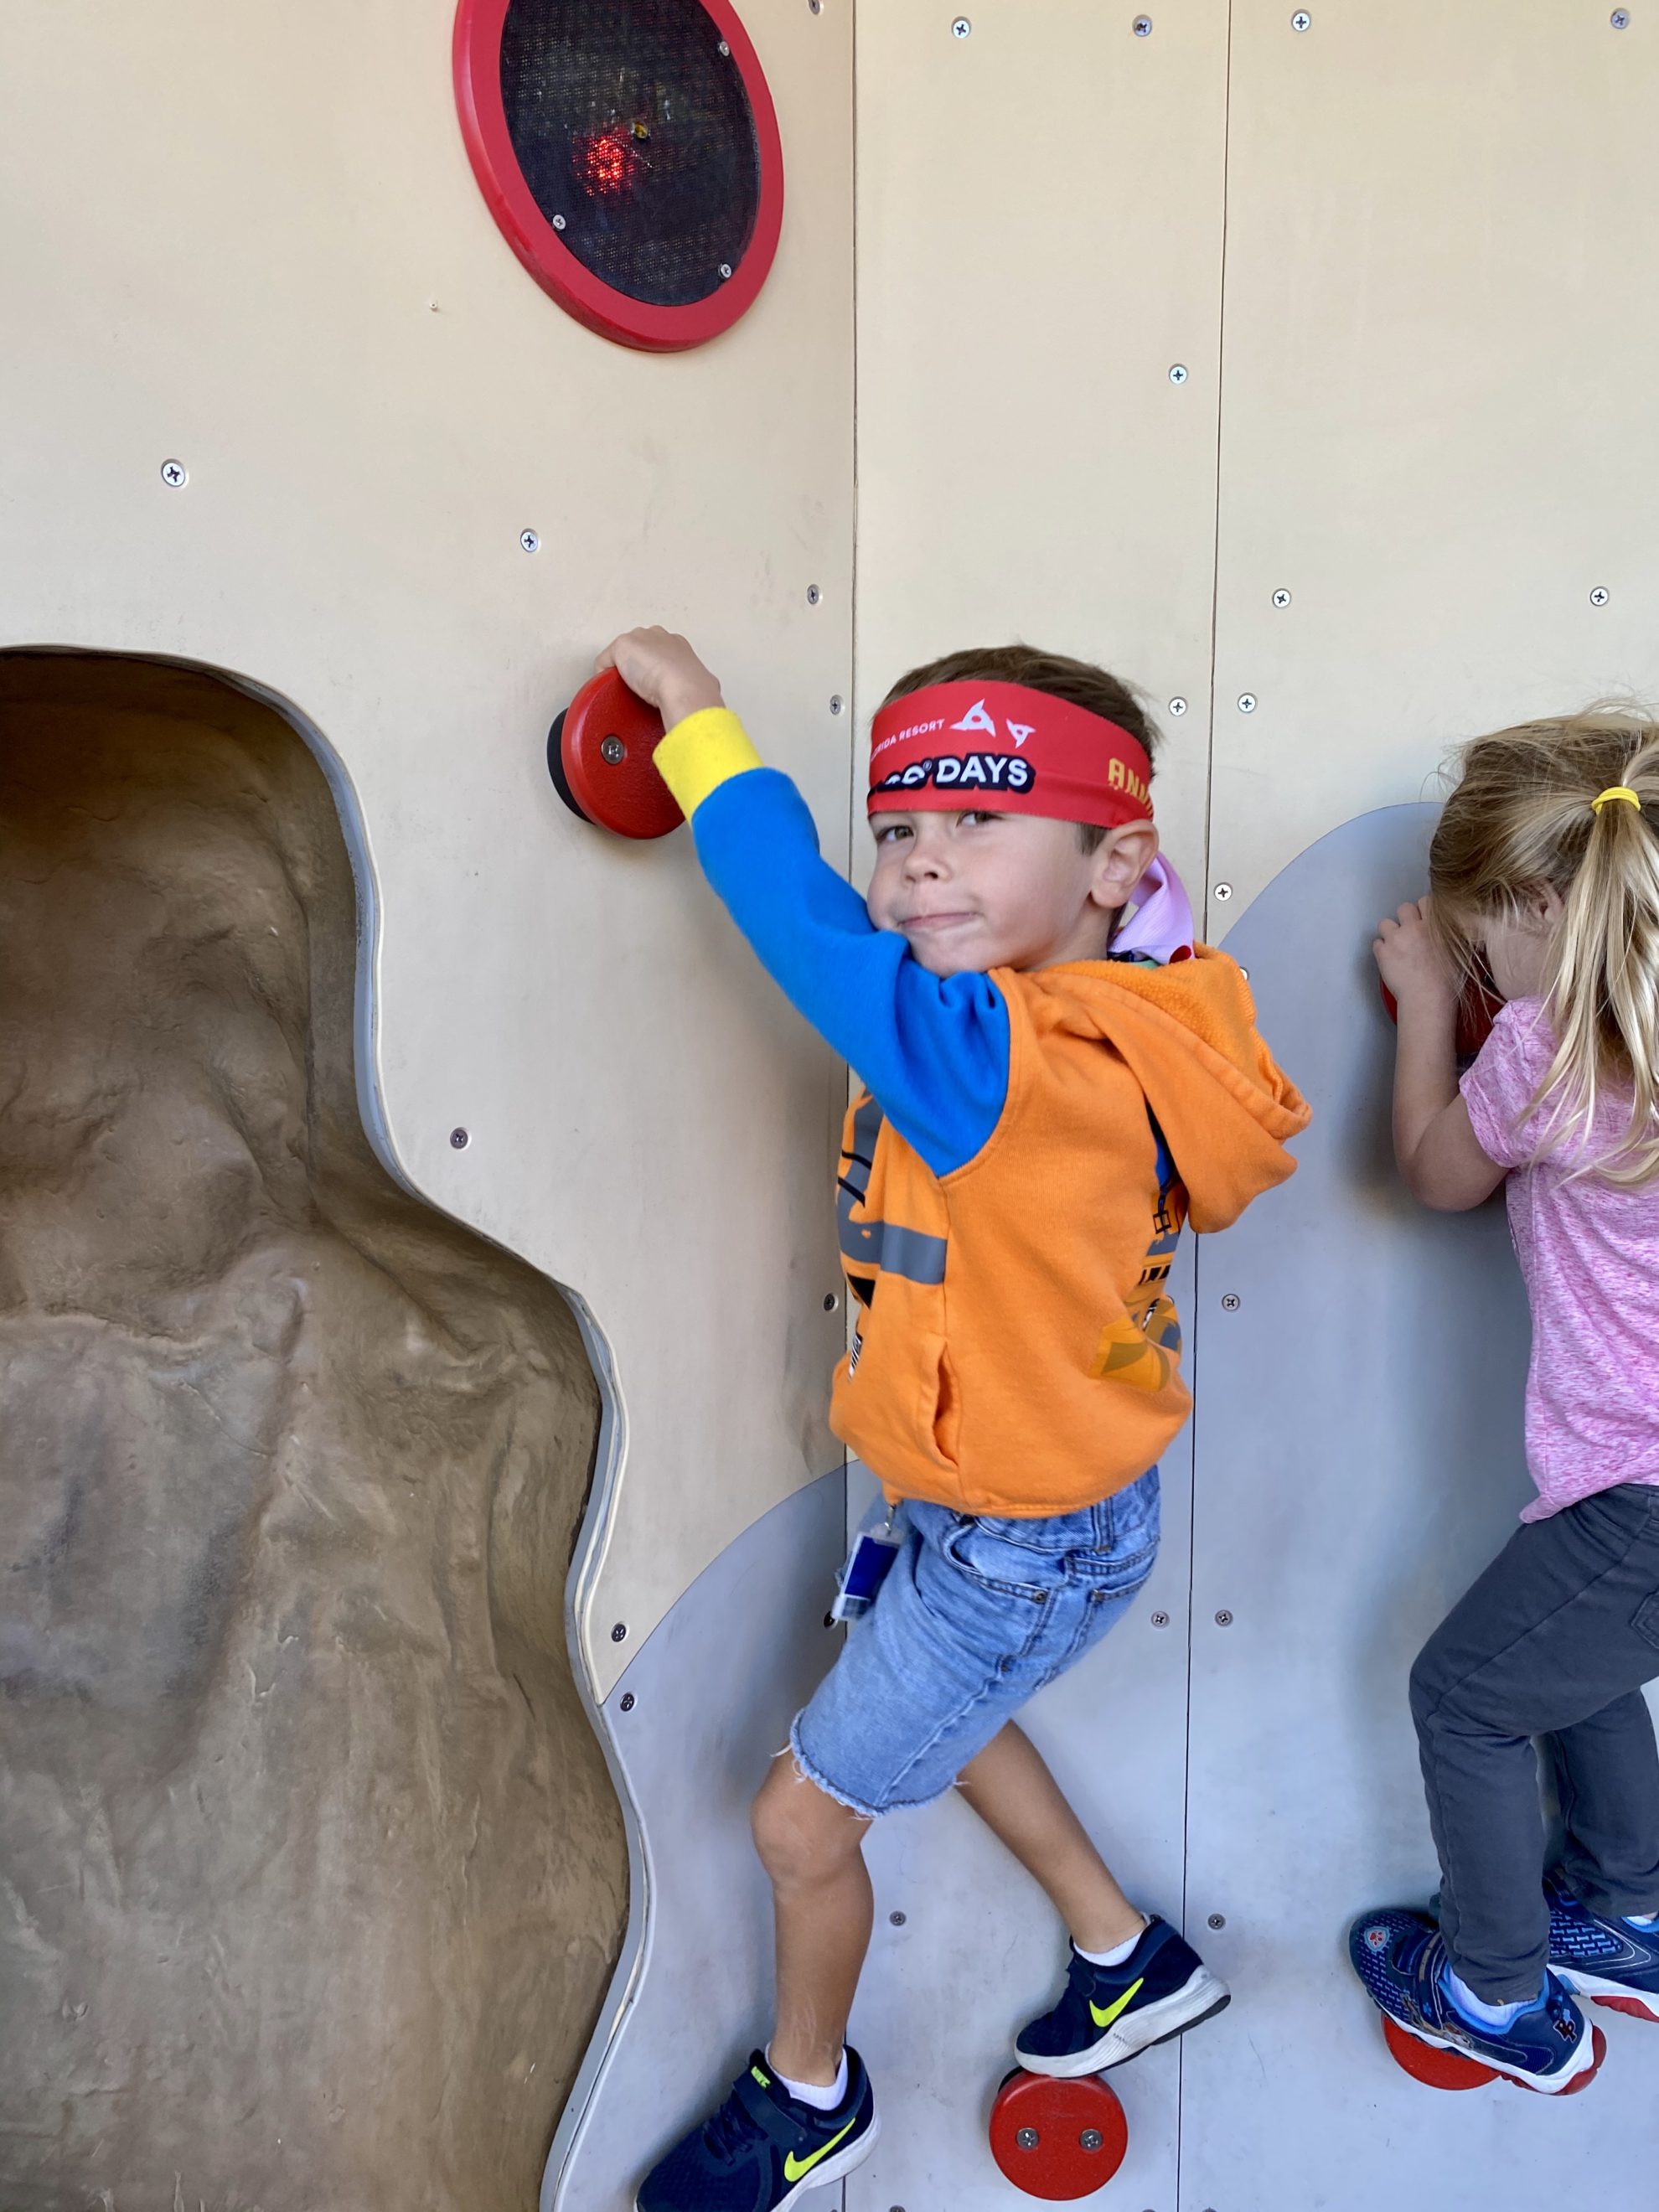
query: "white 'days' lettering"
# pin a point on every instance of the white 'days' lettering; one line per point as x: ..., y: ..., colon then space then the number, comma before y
x: 979, y: 772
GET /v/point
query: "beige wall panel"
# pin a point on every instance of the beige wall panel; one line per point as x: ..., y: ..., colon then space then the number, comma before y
x: 1039, y: 243
x: 1438, y: 426
x: 251, y: 239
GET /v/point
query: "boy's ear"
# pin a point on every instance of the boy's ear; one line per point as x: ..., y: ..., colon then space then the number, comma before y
x: 1122, y: 859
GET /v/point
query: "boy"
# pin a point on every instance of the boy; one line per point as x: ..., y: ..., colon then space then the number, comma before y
x: 1049, y: 1090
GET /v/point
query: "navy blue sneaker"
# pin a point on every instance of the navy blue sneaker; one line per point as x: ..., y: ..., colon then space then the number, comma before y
x: 762, y: 2149
x: 1401, y: 1957
x: 1607, y: 1960
x: 1109, y: 2013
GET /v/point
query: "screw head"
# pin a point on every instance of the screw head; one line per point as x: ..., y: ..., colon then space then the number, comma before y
x: 725, y: 49
x: 558, y: 222
x: 1217, y: 1920
x: 1028, y: 2138
x: 1620, y: 18
x: 725, y: 272
x: 830, y: 1302
x: 813, y: 595
x: 1231, y: 1302
x: 1178, y: 371
x: 1223, y: 892
x: 1223, y: 1618
x: 174, y: 473
x: 895, y: 1919
x: 1089, y: 2139
x: 460, y: 1138
x: 836, y: 704
x: 1281, y: 597
x: 815, y: 6
x: 628, y: 1701
x: 1600, y: 595
x: 1160, y: 1620
x: 961, y: 27
x: 1302, y: 20
x: 619, y: 1634
x: 1143, y: 26
x: 1177, y: 707
x: 530, y: 541
x: 1247, y: 702
x: 613, y: 751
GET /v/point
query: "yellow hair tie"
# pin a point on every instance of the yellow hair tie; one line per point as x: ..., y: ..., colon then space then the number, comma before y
x: 1617, y: 791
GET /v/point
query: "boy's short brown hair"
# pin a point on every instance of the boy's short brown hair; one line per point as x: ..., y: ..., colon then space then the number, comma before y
x: 1077, y: 681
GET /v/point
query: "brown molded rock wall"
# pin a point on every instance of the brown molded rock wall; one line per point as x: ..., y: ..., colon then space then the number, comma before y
x: 311, y: 1873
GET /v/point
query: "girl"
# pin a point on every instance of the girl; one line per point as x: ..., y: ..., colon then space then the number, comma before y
x: 1544, y: 871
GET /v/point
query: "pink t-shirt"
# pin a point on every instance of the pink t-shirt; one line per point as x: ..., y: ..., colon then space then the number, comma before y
x: 1589, y: 1255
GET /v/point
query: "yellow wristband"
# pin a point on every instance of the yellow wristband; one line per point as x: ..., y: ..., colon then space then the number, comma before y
x: 705, y: 751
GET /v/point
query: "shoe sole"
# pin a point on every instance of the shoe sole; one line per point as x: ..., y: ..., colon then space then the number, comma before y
x: 1586, y: 2063
x: 1617, y: 1997
x: 1200, y: 1997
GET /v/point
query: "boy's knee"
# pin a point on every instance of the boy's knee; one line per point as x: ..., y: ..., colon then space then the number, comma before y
x: 1429, y: 1682
x: 800, y: 1833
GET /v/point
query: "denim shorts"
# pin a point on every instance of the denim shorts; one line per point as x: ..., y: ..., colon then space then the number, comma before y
x: 974, y: 1616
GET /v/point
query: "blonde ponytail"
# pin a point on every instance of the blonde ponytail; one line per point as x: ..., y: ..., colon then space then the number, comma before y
x: 1573, y: 803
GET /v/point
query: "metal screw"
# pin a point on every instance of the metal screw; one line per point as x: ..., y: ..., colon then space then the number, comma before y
x: 1028, y: 2138
x: 530, y: 541
x: 1177, y: 706
x: 830, y: 1302
x: 1231, y: 1303
x: 961, y: 27
x: 1302, y: 20
x: 1089, y: 2139
x: 1160, y: 1620
x: 813, y: 595
x: 1600, y: 595
x: 1247, y: 702
x: 613, y: 750
x: 1244, y: 972
x: 1620, y: 18
x: 1178, y: 371
x: 1143, y: 26
x: 725, y: 272
x: 895, y: 1919
x: 460, y: 1138
x: 1223, y: 892
x: 628, y: 1701
x: 558, y: 222
x: 817, y: 6
x: 1223, y: 1618
x: 1217, y: 1920
x: 174, y: 473
x: 836, y: 704
x: 619, y: 1634
x: 1281, y: 597
x: 725, y: 49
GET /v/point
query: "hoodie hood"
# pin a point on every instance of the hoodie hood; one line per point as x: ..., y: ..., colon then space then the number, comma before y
x: 1187, y: 1034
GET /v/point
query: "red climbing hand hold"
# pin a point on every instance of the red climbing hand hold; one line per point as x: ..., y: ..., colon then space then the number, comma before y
x: 600, y: 756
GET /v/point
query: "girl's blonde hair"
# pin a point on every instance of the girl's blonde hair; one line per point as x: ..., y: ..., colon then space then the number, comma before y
x: 1522, y: 815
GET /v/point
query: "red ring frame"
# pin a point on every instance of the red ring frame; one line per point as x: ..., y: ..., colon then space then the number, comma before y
x: 477, y: 61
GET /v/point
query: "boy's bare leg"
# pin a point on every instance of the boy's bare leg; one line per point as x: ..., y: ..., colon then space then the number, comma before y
x: 813, y: 1850
x: 1019, y: 1800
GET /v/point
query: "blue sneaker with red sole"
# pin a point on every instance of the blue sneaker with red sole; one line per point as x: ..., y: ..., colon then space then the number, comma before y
x: 1401, y: 1957
x: 1609, y: 1961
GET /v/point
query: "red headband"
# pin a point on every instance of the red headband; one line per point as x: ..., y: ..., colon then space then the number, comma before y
x: 954, y: 746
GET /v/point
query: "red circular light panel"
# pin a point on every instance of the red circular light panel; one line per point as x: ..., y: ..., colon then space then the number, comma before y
x: 629, y: 153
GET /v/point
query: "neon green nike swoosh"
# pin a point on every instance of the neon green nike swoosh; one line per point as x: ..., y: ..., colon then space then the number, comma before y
x: 794, y: 2167
x: 1105, y: 2019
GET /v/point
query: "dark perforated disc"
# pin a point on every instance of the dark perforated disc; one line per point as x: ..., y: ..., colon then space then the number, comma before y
x: 599, y: 754
x: 628, y: 149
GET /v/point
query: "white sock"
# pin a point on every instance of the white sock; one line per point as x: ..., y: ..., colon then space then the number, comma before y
x: 1642, y: 1919
x: 1496, y: 2016
x: 814, y: 2094
x: 1119, y: 1954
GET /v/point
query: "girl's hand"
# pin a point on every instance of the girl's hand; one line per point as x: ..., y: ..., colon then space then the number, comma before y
x: 1410, y: 959
x: 661, y: 669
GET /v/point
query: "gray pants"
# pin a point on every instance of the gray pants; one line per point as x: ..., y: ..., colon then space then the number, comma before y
x: 1554, y: 1640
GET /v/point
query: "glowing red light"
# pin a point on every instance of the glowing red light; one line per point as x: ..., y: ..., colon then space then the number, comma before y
x: 608, y: 162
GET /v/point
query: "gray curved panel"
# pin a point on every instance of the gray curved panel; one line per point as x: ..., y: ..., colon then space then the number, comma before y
x: 1357, y: 1462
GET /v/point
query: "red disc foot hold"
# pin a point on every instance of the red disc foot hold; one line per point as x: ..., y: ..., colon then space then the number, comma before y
x: 1598, y: 2053
x: 1635, y: 2007
x: 1477, y: 1010
x: 600, y: 756
x: 1438, y: 2070
x: 1058, y: 2139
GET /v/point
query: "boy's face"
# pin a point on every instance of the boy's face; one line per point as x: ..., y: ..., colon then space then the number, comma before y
x: 977, y: 891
